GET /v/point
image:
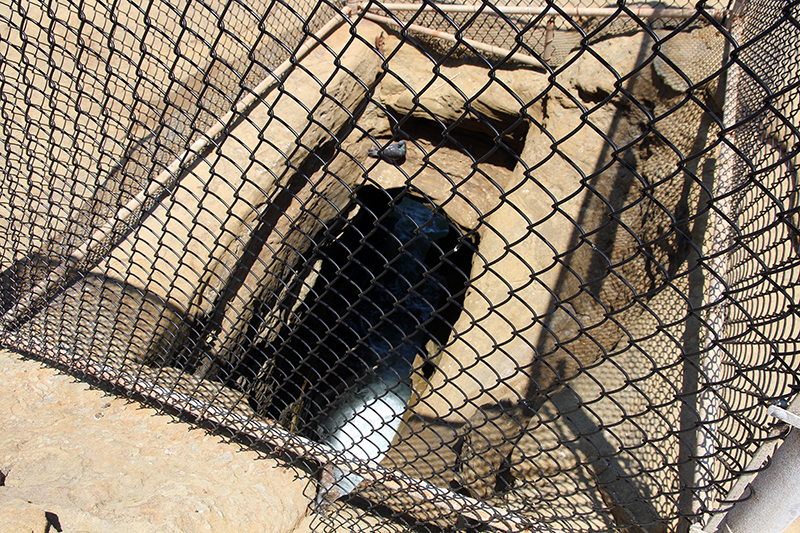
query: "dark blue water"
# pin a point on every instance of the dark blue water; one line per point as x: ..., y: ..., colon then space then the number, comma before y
x: 401, y: 298
x: 388, y: 320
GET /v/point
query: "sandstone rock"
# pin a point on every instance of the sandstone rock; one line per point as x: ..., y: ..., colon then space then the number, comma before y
x: 494, y: 345
x: 303, y: 204
x: 594, y: 77
x: 101, y: 463
x: 116, y: 322
x: 524, y: 242
x: 198, y: 267
x: 19, y: 516
x: 155, y: 61
x: 565, y: 439
x: 449, y: 178
x: 456, y: 92
x: 692, y: 56
x: 542, y: 306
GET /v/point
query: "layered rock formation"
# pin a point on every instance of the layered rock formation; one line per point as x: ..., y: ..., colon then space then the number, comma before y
x: 581, y: 211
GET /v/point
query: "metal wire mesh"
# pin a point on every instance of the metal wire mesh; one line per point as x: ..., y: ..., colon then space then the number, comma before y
x: 565, y: 303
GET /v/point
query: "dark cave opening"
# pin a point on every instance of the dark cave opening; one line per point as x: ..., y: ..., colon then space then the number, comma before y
x: 493, y: 143
x: 384, y: 288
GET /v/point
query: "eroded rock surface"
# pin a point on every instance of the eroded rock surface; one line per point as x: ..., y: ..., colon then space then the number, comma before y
x: 543, y: 304
x: 90, y: 462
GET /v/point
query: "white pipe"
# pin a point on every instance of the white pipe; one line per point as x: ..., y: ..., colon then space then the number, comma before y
x: 364, y: 422
x: 774, y: 502
x: 751, y: 471
x: 784, y: 415
x: 570, y: 11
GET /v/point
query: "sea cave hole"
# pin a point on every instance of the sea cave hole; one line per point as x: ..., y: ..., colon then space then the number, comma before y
x: 381, y: 296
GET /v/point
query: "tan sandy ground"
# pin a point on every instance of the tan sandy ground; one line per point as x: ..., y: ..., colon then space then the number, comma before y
x: 88, y: 461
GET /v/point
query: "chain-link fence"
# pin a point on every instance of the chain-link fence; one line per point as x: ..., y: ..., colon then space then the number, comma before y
x: 474, y: 265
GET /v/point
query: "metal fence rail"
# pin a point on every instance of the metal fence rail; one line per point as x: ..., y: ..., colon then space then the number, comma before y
x: 479, y: 265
